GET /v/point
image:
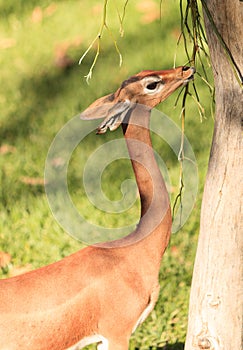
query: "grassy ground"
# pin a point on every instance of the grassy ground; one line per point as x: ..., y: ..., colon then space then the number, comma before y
x: 42, y: 87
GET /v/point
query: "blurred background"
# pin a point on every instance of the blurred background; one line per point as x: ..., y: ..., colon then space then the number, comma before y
x: 43, y: 86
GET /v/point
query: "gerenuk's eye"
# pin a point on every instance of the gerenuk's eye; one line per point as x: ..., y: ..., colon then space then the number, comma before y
x: 152, y: 86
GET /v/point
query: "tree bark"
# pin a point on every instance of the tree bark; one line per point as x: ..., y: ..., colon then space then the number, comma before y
x: 216, y: 310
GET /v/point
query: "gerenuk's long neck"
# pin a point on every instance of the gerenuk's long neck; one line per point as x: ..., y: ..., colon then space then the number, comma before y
x: 155, y: 204
x: 152, y: 189
x: 155, y: 222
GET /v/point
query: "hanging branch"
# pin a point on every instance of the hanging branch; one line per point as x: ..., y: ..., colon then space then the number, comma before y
x: 98, y: 37
x: 194, y: 33
x: 122, y: 17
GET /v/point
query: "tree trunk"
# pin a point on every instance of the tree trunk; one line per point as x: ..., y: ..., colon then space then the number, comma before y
x: 216, y: 312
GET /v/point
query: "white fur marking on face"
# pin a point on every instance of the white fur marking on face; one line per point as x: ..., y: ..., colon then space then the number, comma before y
x: 96, y: 338
x: 153, y: 85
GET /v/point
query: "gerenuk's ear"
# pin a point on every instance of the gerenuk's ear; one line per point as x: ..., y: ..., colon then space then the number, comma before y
x: 107, y: 107
x: 99, y: 108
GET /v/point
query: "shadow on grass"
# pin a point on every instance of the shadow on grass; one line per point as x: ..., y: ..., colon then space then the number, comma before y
x: 38, y: 95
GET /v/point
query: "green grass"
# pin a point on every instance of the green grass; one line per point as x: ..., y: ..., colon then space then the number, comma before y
x: 37, y: 98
